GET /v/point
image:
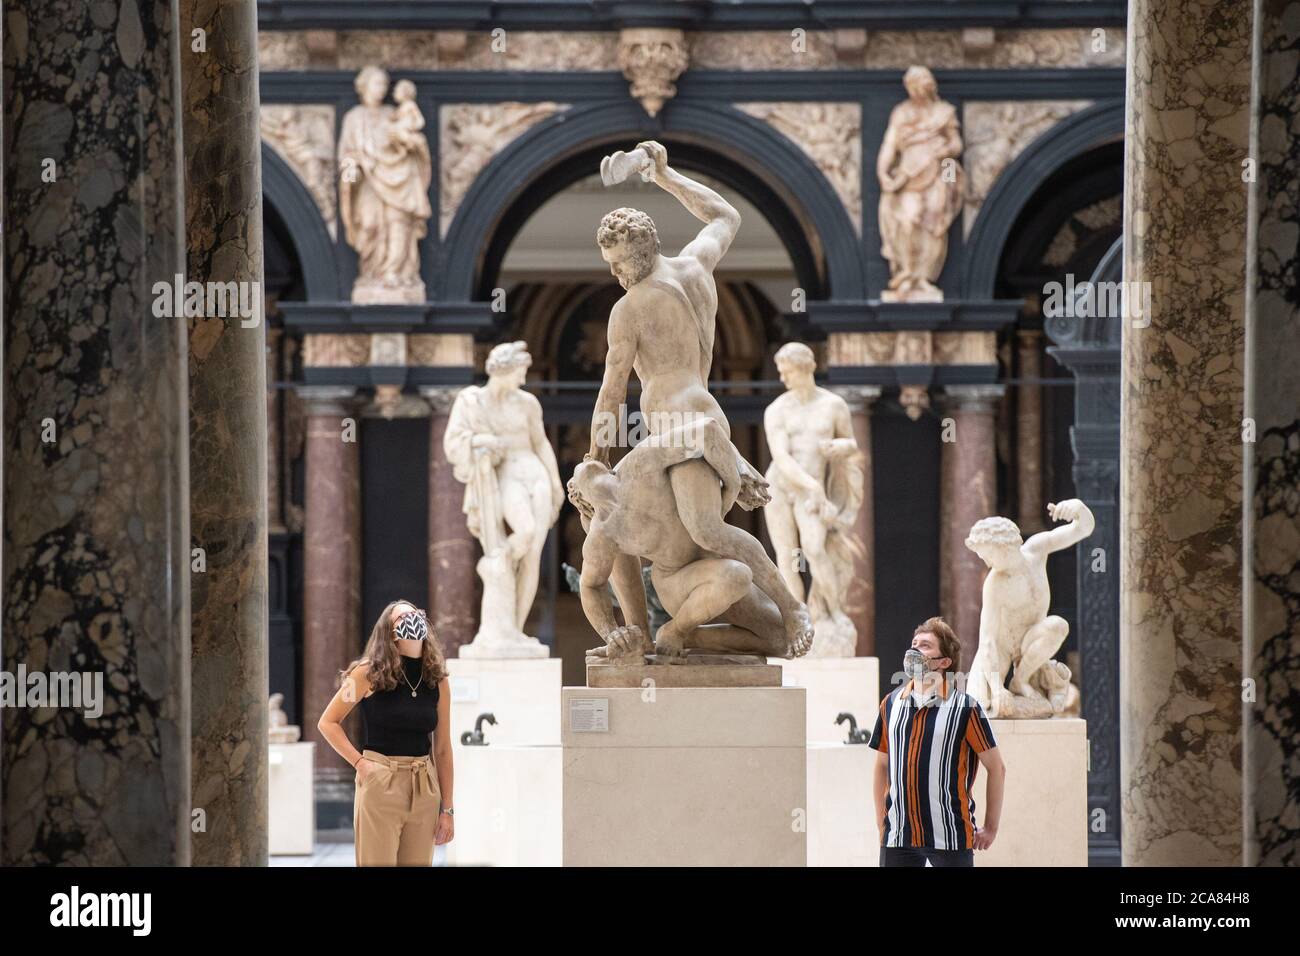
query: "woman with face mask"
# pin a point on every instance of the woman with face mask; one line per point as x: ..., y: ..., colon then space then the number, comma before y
x: 403, y: 804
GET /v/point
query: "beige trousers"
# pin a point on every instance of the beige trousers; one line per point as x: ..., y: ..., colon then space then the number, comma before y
x: 396, y: 811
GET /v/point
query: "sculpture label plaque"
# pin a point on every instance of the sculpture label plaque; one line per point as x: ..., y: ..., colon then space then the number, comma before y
x: 589, y: 715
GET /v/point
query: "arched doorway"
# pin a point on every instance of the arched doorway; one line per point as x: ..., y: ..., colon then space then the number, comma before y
x: 541, y: 253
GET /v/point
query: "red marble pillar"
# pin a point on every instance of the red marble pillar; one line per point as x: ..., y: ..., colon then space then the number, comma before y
x: 331, y: 550
x: 1031, y: 510
x: 969, y: 475
x: 453, y: 551
x: 862, y: 586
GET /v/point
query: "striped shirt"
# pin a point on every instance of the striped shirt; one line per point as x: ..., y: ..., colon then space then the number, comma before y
x: 932, y: 749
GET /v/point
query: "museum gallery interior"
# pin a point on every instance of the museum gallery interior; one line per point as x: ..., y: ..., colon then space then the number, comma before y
x: 678, y: 361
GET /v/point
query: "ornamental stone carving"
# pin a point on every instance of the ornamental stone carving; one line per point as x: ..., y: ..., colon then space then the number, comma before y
x: 471, y: 134
x: 304, y: 137
x: 830, y: 134
x: 652, y: 59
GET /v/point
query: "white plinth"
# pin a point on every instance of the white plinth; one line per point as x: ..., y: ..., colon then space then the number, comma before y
x: 523, y: 695
x: 841, y: 808
x: 835, y: 685
x: 507, y: 806
x: 684, y: 776
x: 291, y: 815
x: 1045, y: 811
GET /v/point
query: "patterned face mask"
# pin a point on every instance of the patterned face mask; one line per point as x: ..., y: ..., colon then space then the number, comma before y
x: 413, y: 626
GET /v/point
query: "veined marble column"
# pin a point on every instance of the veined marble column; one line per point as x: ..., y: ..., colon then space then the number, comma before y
x: 1181, y: 432
x: 274, y: 484
x: 453, y: 551
x: 970, y: 491
x: 1029, y: 433
x: 223, y: 200
x: 1272, y: 508
x: 96, y: 496
x: 331, y: 546
x: 862, y: 587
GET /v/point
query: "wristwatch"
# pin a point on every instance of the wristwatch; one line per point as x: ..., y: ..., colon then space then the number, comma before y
x: 449, y: 811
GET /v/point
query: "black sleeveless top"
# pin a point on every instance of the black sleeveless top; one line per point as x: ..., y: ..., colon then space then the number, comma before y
x: 396, y: 724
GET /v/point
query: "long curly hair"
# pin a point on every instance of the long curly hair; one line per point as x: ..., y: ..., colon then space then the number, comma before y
x: 381, y: 654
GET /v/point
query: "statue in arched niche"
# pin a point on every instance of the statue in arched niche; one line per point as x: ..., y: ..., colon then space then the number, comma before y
x: 384, y: 174
x: 921, y: 186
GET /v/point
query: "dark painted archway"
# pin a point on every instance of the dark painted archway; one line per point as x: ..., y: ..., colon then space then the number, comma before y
x: 287, y: 194
x: 1086, y: 130
x: 745, y: 153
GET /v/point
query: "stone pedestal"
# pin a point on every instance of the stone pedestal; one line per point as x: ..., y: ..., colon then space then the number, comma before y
x: 292, y: 817
x: 684, y: 776
x: 523, y: 695
x: 841, y: 809
x: 1045, y: 811
x: 743, y: 672
x: 507, y: 806
x: 835, y: 686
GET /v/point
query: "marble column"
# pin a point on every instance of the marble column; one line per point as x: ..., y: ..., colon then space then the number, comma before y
x: 1272, y: 507
x: 453, y: 551
x: 332, y: 634
x: 96, y: 495
x: 274, y: 465
x: 862, y: 587
x: 223, y: 223
x: 970, y: 490
x: 1187, y: 132
x: 1029, y: 433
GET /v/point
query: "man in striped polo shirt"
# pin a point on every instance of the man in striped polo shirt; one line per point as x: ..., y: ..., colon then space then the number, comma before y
x: 931, y: 737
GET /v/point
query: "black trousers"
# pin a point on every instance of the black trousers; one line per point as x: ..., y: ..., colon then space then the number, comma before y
x: 917, y: 855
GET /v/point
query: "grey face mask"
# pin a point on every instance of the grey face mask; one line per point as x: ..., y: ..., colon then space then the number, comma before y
x: 915, y: 663
x: 412, y: 627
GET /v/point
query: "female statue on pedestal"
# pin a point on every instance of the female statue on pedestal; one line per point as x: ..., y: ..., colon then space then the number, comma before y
x: 498, y: 450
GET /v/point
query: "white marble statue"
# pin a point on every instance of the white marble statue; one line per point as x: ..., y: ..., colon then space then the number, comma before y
x: 632, y: 511
x: 279, y: 730
x: 921, y: 185
x: 816, y: 480
x: 1016, y: 632
x: 384, y: 175
x: 498, y: 450
x: 663, y: 328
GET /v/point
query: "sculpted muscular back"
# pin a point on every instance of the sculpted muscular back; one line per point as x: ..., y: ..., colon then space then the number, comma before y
x: 663, y: 328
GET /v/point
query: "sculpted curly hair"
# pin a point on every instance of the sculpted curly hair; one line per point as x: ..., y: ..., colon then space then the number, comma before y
x: 631, y: 226
x: 994, y: 530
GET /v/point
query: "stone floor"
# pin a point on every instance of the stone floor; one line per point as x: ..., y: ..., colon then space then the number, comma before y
x: 335, y: 849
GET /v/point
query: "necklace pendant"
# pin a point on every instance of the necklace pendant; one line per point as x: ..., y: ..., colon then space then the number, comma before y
x: 412, y: 693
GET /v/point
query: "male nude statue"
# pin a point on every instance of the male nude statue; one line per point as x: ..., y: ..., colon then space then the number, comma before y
x: 817, y: 486
x: 633, y: 512
x: 1016, y: 631
x: 663, y: 329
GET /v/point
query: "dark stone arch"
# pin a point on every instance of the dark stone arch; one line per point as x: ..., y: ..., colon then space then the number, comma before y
x: 1088, y: 129
x: 743, y: 152
x: 288, y: 196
